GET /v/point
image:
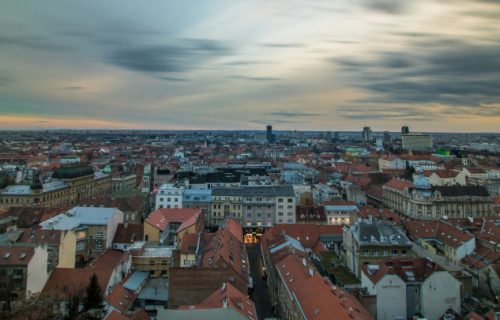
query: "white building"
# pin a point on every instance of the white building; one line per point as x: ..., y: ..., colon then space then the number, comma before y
x: 169, y: 196
x: 406, y: 287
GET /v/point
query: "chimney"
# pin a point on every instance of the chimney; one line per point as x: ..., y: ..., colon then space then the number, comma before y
x: 311, y: 271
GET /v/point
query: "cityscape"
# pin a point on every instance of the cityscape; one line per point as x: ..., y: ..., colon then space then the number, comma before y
x: 250, y: 160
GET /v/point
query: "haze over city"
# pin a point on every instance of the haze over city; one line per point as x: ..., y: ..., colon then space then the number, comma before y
x: 305, y: 65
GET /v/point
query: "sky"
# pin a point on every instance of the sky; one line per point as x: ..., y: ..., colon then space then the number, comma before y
x: 241, y: 64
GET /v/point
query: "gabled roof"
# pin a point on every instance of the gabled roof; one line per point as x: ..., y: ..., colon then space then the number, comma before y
x: 398, y: 184
x: 438, y: 230
x: 222, y: 247
x: 316, y: 296
x: 66, y: 282
x: 129, y: 233
x: 227, y: 296
x: 408, y: 269
x: 16, y: 256
x: 162, y: 217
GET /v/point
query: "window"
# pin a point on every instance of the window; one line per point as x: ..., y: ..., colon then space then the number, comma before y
x: 290, y: 200
x: 161, y: 199
x: 280, y: 200
x: 99, y: 235
x: 365, y: 253
x: 386, y: 253
x: 99, y: 245
x: 403, y: 252
x: 394, y: 252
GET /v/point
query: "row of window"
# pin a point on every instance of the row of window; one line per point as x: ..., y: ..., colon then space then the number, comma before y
x: 385, y: 253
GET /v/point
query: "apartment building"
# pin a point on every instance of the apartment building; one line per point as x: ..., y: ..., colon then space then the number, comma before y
x: 169, y: 196
x: 371, y: 240
x: 167, y: 226
x: 23, y: 271
x: 69, y: 185
x: 95, y: 228
x: 405, y: 288
x: 253, y: 207
x: 420, y: 200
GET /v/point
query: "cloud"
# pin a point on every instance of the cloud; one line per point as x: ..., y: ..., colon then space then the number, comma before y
x: 5, y: 80
x: 387, y: 6
x: 257, y: 78
x: 293, y: 114
x: 73, y: 88
x: 461, y: 73
x: 180, y: 57
x: 31, y: 42
x: 175, y: 79
x: 283, y: 45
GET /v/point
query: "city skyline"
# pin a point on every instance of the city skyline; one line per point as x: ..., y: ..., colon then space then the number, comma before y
x: 305, y: 65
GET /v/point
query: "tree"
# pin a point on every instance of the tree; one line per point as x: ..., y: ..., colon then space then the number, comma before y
x: 409, y: 171
x: 73, y: 307
x: 93, y: 296
x: 36, y: 307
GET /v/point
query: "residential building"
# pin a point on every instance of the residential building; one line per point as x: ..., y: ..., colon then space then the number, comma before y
x: 23, y: 271
x: 69, y: 185
x: 371, y: 240
x: 416, y: 141
x: 253, y: 207
x: 166, y: 226
x: 340, y: 212
x: 127, y: 234
x: 297, y: 290
x: 123, y: 183
x: 61, y: 245
x: 441, y: 237
x: 154, y: 260
x: 95, y: 228
x: 420, y: 200
x: 110, y: 267
x: 227, y: 303
x: 169, y: 196
x: 221, y: 257
x: 410, y: 287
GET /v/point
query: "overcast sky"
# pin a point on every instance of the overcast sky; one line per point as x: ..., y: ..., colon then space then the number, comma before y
x: 241, y: 64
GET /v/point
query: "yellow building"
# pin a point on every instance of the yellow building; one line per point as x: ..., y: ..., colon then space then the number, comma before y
x: 167, y: 226
x: 68, y: 186
x: 154, y: 260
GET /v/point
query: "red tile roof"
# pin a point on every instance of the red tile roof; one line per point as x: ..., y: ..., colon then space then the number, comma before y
x: 235, y: 228
x: 66, y: 282
x: 232, y: 296
x: 222, y: 247
x: 188, y: 243
x: 307, y: 234
x: 129, y: 233
x: 398, y: 184
x: 160, y: 218
x: 16, y: 256
x: 420, y: 268
x: 120, y: 298
x: 439, y: 230
x: 366, y: 211
x: 317, y: 297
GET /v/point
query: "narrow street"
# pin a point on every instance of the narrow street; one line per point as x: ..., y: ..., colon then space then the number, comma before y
x: 262, y: 303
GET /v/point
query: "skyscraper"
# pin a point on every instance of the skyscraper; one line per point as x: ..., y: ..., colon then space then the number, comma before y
x: 367, y: 134
x: 269, y: 133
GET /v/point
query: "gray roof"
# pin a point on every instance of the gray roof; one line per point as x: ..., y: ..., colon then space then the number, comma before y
x: 80, y: 216
x: 379, y: 233
x: 265, y: 191
x: 136, y: 280
x: 200, y: 314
